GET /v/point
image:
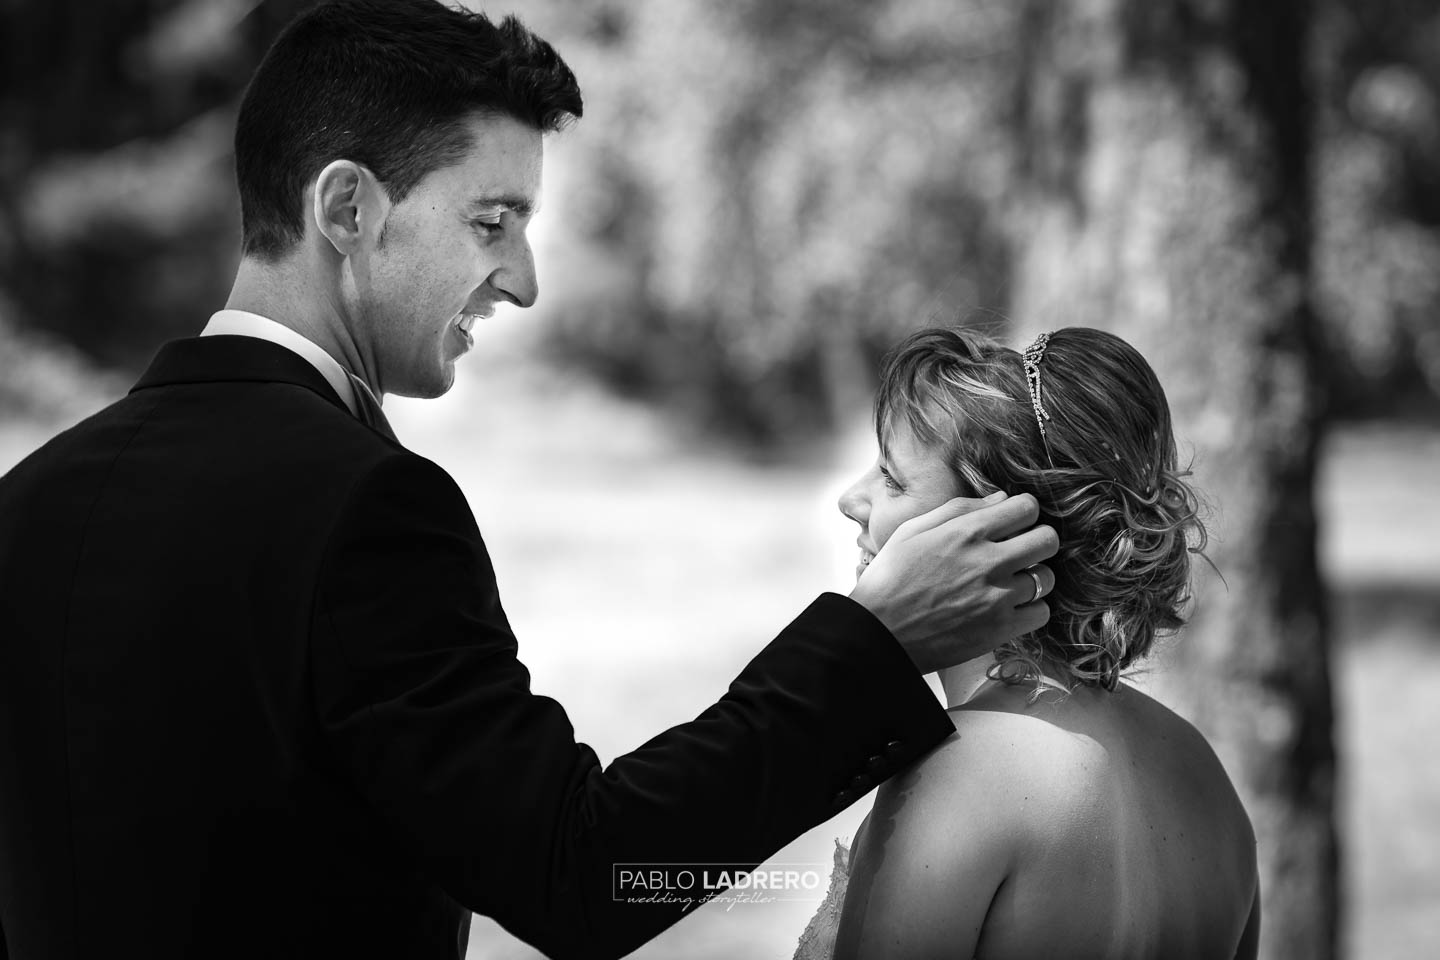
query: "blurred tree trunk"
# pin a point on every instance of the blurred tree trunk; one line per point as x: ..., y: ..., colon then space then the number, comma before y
x: 1164, y: 196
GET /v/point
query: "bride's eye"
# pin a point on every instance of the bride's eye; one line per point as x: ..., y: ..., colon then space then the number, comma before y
x: 890, y: 481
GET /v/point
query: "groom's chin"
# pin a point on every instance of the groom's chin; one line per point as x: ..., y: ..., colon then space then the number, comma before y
x: 437, y: 384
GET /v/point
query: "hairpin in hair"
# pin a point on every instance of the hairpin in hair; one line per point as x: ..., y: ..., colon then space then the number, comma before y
x: 1031, y: 360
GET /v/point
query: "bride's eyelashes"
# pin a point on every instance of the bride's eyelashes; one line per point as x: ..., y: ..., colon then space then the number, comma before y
x: 890, y: 482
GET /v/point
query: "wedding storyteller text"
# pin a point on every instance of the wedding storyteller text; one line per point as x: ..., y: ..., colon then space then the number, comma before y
x: 695, y: 883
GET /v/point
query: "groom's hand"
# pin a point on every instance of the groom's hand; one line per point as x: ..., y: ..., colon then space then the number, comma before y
x: 952, y: 584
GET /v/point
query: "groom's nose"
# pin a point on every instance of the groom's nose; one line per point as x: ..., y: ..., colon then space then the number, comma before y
x: 515, y: 277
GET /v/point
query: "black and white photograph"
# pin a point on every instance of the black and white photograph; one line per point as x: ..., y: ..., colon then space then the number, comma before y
x: 796, y: 479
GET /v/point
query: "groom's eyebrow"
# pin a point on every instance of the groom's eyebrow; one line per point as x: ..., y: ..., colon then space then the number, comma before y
x: 521, y: 206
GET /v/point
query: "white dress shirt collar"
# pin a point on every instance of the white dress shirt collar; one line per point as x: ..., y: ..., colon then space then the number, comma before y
x: 242, y: 323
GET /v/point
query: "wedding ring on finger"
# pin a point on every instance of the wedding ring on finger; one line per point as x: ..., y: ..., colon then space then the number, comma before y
x: 1039, y: 586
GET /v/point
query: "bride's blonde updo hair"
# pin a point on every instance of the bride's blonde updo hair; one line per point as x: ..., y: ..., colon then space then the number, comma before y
x: 1104, y: 471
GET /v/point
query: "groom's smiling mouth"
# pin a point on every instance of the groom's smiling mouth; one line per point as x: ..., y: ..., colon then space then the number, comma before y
x: 465, y: 322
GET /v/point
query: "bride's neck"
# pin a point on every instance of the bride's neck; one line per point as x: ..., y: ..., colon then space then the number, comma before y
x: 961, y: 681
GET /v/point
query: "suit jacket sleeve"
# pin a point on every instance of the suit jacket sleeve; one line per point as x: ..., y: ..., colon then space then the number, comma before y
x: 421, y: 696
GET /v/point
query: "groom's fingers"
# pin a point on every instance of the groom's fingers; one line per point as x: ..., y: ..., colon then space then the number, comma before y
x: 993, y: 518
x: 1011, y: 515
x: 1029, y: 617
x: 1008, y: 522
x: 989, y: 518
x: 1029, y: 548
x: 949, y: 511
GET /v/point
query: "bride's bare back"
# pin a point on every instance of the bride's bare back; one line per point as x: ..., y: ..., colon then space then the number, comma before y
x: 1098, y: 825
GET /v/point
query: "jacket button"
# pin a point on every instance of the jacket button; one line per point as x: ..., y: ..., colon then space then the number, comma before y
x: 877, y: 767
x: 844, y: 798
x: 861, y: 784
x: 894, y: 751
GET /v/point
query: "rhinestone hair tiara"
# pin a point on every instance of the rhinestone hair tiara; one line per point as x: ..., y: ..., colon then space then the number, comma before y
x: 1031, y: 360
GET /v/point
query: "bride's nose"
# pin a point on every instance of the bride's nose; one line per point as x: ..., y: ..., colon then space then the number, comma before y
x: 854, y: 504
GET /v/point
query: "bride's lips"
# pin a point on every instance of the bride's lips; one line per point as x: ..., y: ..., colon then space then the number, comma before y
x: 866, y: 555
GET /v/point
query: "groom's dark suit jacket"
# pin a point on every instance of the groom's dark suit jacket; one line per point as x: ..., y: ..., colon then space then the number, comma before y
x: 258, y: 698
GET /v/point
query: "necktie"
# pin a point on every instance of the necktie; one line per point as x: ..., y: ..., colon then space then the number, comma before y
x: 369, y: 408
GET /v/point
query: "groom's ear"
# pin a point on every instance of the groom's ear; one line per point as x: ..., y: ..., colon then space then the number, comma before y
x: 349, y: 206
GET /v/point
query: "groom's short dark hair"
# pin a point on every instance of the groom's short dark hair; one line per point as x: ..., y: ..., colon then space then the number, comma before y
x: 387, y: 84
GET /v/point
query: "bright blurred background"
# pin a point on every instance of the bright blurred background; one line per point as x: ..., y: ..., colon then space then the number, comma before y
x: 760, y: 199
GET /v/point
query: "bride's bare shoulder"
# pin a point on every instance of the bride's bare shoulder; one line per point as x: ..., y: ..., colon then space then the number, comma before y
x: 1005, y: 729
x: 1018, y: 754
x: 1079, y: 750
x: 944, y: 834
x: 1081, y: 720
x: 995, y: 783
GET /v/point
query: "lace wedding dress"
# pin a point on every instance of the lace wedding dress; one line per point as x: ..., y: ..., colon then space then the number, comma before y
x: 818, y: 940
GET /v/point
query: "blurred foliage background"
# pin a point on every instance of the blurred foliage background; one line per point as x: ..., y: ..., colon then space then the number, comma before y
x: 750, y: 170
x: 763, y: 196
